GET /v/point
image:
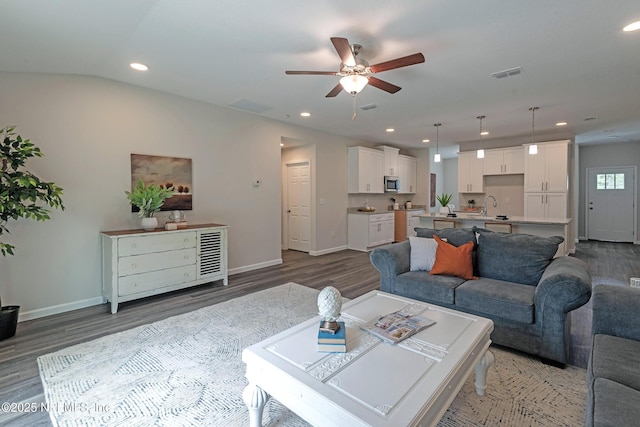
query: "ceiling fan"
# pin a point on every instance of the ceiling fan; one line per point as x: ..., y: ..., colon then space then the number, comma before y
x: 356, y: 72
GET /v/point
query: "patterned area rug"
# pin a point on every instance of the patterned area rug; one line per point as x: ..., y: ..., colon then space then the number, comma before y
x: 187, y: 371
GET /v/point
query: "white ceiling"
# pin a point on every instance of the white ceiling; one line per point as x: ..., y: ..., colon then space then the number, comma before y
x: 577, y: 62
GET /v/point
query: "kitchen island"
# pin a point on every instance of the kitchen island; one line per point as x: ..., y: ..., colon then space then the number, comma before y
x: 544, y: 227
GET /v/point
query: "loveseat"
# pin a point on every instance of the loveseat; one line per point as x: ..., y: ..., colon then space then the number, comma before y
x: 613, y: 373
x: 516, y: 282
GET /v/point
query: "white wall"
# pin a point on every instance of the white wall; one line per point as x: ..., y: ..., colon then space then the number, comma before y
x: 87, y: 128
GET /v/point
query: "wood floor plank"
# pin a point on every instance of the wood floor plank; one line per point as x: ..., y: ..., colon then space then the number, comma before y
x: 349, y: 271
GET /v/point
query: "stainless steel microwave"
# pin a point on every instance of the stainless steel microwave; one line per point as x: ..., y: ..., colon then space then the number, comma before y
x: 391, y: 184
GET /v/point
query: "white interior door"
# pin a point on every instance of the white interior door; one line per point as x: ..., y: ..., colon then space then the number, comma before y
x: 611, y: 204
x: 299, y: 206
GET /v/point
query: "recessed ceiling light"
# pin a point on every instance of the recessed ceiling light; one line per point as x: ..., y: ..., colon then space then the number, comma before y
x: 390, y: 130
x: 425, y: 141
x: 484, y: 132
x: 281, y: 144
x: 561, y: 124
x: 634, y: 26
x: 139, y: 66
x: 305, y: 114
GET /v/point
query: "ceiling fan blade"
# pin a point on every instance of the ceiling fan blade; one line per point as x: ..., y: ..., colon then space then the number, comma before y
x: 381, y: 84
x: 405, y: 61
x: 335, y: 91
x: 344, y: 51
x: 320, y: 73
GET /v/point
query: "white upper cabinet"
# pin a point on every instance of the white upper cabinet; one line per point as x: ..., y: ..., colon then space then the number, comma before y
x: 470, y: 170
x: 390, y: 160
x: 504, y: 161
x: 407, y: 172
x: 547, y: 171
x: 365, y: 170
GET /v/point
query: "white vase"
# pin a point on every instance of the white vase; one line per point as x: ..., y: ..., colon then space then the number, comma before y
x: 444, y: 210
x: 149, y: 223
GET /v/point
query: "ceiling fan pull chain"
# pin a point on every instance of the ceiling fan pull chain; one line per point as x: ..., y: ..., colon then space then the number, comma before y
x: 354, y: 108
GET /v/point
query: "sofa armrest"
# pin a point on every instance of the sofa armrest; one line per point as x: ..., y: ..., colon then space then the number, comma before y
x: 616, y: 311
x: 390, y: 261
x: 564, y: 286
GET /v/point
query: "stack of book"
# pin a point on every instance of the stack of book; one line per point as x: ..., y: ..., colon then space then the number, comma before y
x: 333, y: 343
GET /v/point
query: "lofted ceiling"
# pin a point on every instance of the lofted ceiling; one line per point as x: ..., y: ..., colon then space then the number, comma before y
x: 578, y: 65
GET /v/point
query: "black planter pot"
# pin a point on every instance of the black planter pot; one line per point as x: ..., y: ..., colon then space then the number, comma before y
x: 8, y: 321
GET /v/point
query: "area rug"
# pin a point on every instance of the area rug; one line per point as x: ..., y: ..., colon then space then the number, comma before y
x: 187, y: 371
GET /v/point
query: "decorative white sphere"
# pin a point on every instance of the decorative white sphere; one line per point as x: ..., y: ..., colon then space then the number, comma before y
x: 329, y: 304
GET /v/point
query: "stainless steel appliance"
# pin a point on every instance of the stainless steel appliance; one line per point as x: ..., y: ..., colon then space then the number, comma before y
x: 391, y: 184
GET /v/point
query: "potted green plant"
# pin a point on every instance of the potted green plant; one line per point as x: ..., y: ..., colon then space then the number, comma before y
x: 444, y: 199
x: 148, y: 199
x: 22, y: 195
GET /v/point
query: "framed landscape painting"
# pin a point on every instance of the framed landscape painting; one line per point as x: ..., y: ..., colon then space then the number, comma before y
x: 166, y: 172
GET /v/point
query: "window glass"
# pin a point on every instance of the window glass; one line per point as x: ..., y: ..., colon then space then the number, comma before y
x: 610, y: 181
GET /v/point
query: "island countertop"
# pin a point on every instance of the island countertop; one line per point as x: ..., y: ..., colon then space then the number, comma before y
x: 463, y: 217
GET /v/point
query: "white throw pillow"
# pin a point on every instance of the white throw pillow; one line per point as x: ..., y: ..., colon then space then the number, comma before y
x: 423, y: 253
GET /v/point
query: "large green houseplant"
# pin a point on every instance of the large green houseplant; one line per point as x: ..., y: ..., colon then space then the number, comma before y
x: 22, y: 195
x: 148, y: 199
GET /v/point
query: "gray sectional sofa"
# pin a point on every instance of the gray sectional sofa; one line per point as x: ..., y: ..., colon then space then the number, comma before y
x: 527, y: 292
x: 613, y: 374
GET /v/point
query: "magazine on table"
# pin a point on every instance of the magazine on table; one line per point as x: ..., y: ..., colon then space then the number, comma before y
x: 395, y: 327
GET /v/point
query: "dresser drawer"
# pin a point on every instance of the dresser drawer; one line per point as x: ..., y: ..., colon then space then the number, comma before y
x: 161, y: 242
x: 155, y: 280
x: 137, y: 264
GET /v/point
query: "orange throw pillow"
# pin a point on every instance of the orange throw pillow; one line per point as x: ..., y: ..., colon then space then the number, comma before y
x: 452, y: 260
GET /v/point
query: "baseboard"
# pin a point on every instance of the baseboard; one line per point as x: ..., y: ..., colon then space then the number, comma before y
x: 63, y: 308
x: 328, y: 251
x: 254, y: 266
x: 57, y: 309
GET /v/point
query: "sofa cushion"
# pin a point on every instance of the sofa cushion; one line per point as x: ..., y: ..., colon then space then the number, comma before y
x: 425, y: 232
x: 513, y: 301
x: 616, y: 359
x: 423, y: 253
x: 615, y: 404
x: 458, y: 236
x: 422, y: 286
x: 519, y: 258
x: 452, y: 260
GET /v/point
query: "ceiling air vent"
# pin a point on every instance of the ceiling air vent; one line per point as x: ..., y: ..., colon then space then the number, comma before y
x: 507, y: 73
x: 368, y: 107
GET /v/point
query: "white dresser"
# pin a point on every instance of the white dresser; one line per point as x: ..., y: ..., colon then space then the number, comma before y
x: 138, y: 264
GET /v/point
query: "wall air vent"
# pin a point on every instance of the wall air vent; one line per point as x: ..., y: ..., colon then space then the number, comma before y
x: 507, y: 73
x: 368, y: 107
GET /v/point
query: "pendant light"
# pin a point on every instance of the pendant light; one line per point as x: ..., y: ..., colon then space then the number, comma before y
x: 436, y: 157
x: 480, y: 152
x: 533, y: 148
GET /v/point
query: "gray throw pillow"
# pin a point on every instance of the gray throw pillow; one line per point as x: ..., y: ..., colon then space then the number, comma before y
x: 425, y: 232
x: 519, y: 258
x: 458, y: 236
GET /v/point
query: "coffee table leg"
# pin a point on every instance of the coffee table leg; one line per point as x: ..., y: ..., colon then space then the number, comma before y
x: 255, y: 398
x: 481, y: 372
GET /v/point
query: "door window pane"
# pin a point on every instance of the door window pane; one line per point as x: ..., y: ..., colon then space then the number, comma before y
x: 610, y: 181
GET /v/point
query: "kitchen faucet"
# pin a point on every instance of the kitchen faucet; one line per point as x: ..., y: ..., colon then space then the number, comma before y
x: 484, y: 208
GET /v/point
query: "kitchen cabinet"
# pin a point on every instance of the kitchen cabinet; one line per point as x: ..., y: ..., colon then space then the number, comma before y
x: 504, y: 161
x: 470, y: 170
x: 365, y: 231
x: 408, y: 173
x: 404, y: 223
x: 138, y: 264
x: 390, y: 160
x: 547, y: 171
x: 545, y: 205
x: 365, y: 170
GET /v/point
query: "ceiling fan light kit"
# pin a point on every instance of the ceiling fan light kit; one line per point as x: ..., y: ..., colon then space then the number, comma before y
x: 354, y: 83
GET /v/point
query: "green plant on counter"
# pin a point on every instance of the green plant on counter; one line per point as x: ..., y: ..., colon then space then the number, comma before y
x: 149, y: 199
x: 444, y: 199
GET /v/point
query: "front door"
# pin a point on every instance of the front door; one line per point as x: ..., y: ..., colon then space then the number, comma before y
x: 611, y: 204
x: 299, y: 206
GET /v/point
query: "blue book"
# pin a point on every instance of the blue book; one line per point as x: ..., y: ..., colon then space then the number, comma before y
x: 340, y: 337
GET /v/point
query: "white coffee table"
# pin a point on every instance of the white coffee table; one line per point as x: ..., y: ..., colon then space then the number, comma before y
x: 374, y: 383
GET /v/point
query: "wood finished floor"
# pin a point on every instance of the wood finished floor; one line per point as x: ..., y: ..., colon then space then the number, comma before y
x: 349, y: 271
